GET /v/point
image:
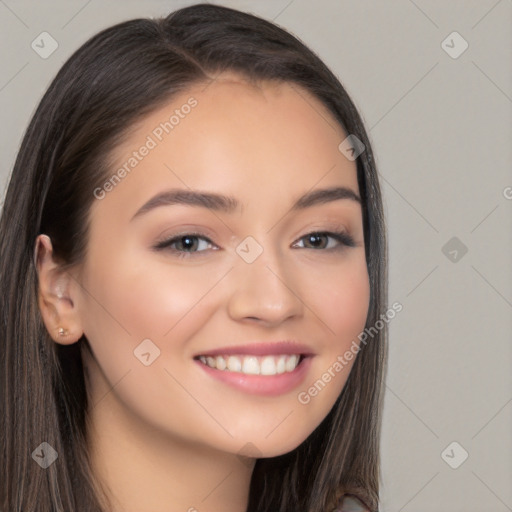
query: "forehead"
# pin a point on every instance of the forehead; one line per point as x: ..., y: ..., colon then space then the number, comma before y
x: 269, y: 139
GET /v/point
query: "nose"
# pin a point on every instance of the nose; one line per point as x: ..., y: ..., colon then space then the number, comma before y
x: 264, y: 291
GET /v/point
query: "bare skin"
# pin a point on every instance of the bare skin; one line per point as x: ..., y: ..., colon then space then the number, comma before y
x: 168, y: 437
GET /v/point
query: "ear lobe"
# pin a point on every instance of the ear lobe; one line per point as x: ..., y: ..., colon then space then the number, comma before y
x: 56, y: 290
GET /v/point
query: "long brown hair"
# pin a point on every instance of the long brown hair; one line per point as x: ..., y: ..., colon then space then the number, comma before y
x: 119, y: 75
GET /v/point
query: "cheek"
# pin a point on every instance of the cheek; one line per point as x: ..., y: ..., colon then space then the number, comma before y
x: 153, y: 300
x: 341, y: 299
x: 133, y: 302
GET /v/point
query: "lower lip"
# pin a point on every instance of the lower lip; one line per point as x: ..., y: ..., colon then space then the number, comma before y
x: 267, y: 385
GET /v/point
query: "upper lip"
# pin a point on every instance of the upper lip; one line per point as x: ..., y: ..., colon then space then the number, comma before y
x: 261, y: 349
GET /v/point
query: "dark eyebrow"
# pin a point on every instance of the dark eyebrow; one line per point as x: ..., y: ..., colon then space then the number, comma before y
x: 324, y: 195
x: 228, y: 204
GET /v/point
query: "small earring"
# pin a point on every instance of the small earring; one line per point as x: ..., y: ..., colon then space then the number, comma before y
x: 63, y: 332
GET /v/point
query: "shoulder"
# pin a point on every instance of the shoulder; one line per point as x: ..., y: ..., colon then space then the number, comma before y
x: 351, y: 504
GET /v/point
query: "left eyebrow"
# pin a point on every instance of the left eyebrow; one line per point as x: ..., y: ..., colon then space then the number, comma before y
x: 325, y: 195
x: 229, y: 204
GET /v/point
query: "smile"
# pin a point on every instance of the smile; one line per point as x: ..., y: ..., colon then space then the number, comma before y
x: 266, y: 375
x: 253, y: 365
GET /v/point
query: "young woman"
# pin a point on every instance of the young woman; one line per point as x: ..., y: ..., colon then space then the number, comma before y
x: 192, y: 250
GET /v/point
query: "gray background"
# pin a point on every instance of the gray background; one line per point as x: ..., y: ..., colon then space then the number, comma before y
x: 441, y: 129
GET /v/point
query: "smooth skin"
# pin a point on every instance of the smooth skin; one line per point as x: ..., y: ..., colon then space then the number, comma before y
x: 168, y: 437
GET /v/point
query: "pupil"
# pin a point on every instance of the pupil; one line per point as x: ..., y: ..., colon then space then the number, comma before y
x: 187, y: 240
x: 314, y: 238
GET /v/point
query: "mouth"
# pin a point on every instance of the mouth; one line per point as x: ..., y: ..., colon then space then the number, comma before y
x: 268, y: 368
x: 248, y: 364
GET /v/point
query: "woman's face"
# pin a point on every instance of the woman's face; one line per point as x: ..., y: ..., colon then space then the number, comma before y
x: 171, y: 285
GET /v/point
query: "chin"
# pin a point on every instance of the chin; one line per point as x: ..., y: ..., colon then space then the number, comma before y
x: 260, y: 447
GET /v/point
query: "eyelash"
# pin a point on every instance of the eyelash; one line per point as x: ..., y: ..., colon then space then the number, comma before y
x: 340, y: 236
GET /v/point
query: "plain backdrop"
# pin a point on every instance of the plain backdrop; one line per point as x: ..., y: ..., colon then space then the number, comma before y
x: 439, y: 116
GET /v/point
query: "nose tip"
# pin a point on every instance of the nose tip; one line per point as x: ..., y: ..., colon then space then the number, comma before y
x: 262, y: 294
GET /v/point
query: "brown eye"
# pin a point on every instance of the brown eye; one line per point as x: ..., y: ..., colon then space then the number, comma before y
x: 186, y: 244
x: 320, y: 240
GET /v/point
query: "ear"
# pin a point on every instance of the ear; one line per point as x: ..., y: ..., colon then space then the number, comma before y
x: 57, y: 292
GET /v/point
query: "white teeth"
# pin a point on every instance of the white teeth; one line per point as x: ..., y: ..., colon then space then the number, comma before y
x: 281, y: 364
x: 268, y: 366
x: 234, y: 364
x: 291, y: 363
x: 220, y: 363
x: 253, y: 365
